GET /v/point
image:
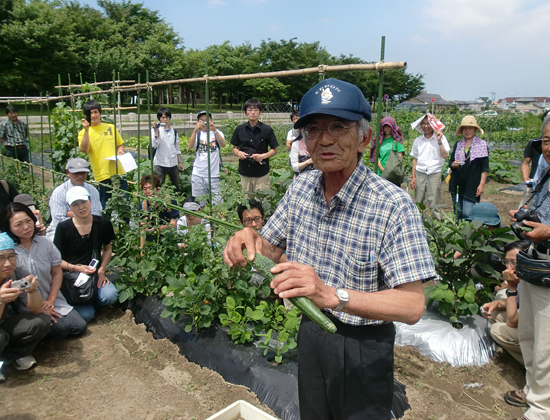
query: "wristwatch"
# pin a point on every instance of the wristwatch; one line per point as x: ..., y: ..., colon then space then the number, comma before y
x: 509, y: 293
x: 343, y: 296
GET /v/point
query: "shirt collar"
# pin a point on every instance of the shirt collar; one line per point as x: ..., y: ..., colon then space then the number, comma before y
x: 349, y: 190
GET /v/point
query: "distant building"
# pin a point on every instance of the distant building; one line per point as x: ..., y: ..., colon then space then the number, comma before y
x: 439, y: 102
x: 476, y: 105
x: 521, y: 105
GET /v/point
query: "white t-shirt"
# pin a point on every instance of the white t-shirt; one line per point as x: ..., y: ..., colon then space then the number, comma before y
x: 181, y: 227
x: 427, y: 154
x: 292, y: 134
x: 200, y: 167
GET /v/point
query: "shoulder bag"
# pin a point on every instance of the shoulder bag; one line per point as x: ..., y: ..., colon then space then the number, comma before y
x: 394, y: 171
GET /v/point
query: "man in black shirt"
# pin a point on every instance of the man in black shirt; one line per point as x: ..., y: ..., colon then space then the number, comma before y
x: 251, y: 142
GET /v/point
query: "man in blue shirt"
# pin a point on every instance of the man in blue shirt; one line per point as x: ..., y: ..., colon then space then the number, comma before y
x: 356, y: 247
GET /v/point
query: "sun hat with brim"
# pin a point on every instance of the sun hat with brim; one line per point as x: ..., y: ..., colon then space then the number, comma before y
x: 334, y: 97
x: 77, y: 193
x: 6, y: 242
x: 486, y: 213
x: 468, y: 121
x: 25, y: 199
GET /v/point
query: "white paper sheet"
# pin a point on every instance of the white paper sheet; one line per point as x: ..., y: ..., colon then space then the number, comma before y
x: 126, y: 160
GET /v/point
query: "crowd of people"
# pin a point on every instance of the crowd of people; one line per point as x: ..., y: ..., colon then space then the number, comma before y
x: 361, y: 257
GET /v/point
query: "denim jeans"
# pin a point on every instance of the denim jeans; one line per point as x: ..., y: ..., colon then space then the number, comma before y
x: 462, y: 207
x: 70, y: 324
x: 107, y: 295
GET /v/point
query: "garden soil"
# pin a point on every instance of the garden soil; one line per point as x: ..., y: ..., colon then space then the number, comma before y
x: 117, y: 370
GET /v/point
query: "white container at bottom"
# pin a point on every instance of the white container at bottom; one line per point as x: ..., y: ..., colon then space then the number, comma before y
x: 241, y: 410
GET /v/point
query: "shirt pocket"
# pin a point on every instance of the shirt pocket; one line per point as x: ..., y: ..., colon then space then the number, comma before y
x: 360, y: 272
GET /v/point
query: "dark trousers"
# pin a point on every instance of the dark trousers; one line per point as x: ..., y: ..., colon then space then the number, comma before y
x: 345, y: 376
x: 105, y: 189
x: 21, y: 333
x: 19, y: 153
x: 70, y: 324
x: 173, y: 173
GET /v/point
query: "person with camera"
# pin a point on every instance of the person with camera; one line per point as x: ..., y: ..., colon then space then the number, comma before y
x: 165, y: 142
x: 22, y: 323
x: 37, y: 255
x: 200, y: 140
x: 533, y: 269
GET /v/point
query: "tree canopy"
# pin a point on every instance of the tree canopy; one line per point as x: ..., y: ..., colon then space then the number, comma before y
x: 40, y: 39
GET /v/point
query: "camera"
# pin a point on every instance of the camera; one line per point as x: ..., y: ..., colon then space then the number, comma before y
x: 22, y: 284
x: 521, y: 216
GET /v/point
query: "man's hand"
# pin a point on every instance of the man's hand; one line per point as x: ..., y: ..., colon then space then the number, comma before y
x: 248, y: 239
x: 258, y: 157
x: 413, y: 183
x: 438, y: 135
x: 47, y: 304
x: 180, y: 166
x: 242, y: 155
x: 85, y: 124
x: 510, y: 277
x: 489, y: 308
x: 540, y: 231
x: 7, y: 293
x: 479, y: 190
x: 102, y: 280
x: 301, y: 280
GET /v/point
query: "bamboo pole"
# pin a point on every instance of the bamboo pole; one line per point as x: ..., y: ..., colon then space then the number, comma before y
x: 283, y: 73
x: 379, y: 111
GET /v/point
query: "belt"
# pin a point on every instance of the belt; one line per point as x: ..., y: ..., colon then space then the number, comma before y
x: 18, y: 147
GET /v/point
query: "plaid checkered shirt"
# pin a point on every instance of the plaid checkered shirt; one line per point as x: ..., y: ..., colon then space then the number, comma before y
x: 371, y: 238
x: 14, y: 134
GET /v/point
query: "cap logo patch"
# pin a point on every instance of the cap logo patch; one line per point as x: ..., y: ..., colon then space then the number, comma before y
x: 326, y: 96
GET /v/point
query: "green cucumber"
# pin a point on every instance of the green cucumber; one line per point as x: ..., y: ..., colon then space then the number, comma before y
x: 263, y: 265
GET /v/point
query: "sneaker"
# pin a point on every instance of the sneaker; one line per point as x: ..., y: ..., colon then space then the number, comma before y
x: 24, y: 363
x: 516, y: 398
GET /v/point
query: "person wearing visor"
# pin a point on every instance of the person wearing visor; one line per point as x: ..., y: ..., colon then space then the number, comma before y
x: 356, y: 247
x: 75, y: 239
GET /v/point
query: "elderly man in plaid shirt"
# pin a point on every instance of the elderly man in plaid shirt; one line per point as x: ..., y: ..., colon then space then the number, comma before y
x: 356, y: 247
x: 14, y: 135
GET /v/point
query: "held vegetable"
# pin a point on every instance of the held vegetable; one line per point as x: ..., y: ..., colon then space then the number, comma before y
x: 263, y: 265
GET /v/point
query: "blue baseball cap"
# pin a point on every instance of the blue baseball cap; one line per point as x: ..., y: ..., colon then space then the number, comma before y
x: 486, y: 213
x: 334, y: 97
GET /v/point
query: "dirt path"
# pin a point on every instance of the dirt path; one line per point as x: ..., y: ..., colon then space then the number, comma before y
x: 116, y: 371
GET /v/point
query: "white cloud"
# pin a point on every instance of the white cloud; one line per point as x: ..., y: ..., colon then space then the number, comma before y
x: 497, y: 24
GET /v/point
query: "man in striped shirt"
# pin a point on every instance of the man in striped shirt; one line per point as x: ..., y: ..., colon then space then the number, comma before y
x: 77, y: 171
x: 356, y: 246
x: 14, y: 134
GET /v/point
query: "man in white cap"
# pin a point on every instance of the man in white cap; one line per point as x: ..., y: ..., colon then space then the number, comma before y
x: 356, y: 247
x: 77, y: 171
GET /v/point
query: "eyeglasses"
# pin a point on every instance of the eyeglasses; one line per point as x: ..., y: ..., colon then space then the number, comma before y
x: 258, y: 219
x: 11, y: 257
x: 425, y: 124
x: 335, y: 129
x: 253, y: 109
x: 506, y: 261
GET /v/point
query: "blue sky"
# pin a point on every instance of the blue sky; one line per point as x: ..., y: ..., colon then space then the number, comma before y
x: 464, y: 48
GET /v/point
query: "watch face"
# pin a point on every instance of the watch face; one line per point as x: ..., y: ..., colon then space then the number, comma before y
x: 342, y: 294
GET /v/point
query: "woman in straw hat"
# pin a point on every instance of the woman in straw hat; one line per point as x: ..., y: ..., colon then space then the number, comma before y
x: 469, y: 166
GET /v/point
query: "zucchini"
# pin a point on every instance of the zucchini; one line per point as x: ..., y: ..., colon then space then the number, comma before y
x: 263, y: 265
